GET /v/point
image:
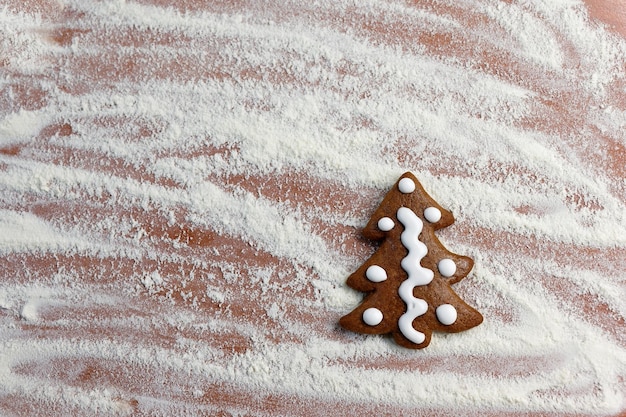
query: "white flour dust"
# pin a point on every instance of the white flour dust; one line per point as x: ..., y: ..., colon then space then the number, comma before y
x: 134, y: 136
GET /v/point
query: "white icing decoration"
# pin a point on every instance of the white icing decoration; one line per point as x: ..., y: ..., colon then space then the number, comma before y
x: 417, y: 275
x: 406, y: 185
x: 446, y: 314
x: 372, y: 316
x: 376, y: 274
x: 385, y: 224
x: 432, y: 214
x: 446, y: 267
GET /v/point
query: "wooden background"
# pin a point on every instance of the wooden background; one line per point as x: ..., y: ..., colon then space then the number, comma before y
x: 182, y: 187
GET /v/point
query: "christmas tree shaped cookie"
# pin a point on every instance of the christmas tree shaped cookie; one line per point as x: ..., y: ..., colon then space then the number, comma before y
x: 408, y: 279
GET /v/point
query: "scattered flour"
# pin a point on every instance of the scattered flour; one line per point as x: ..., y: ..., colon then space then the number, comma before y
x: 291, y: 90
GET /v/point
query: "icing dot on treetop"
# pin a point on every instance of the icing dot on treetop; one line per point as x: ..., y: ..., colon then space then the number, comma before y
x: 372, y: 316
x: 446, y: 267
x: 385, y: 224
x: 432, y: 214
x: 376, y: 273
x: 406, y: 185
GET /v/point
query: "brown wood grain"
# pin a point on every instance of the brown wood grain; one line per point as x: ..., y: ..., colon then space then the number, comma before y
x: 133, y: 324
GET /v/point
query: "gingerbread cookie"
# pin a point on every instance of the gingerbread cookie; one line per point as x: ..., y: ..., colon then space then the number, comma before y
x: 408, y: 279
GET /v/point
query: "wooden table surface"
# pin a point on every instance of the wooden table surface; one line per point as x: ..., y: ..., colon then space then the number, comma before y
x: 183, y: 186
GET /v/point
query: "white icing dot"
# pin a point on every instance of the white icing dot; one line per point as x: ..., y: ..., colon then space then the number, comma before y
x: 432, y: 214
x: 406, y: 185
x: 446, y: 314
x: 446, y: 267
x: 385, y: 224
x: 376, y: 274
x: 372, y: 316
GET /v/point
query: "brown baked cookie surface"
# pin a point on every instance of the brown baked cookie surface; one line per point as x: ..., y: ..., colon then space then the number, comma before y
x: 408, y: 279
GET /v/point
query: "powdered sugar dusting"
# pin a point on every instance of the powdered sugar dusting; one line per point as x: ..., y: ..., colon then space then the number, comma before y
x: 182, y: 189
